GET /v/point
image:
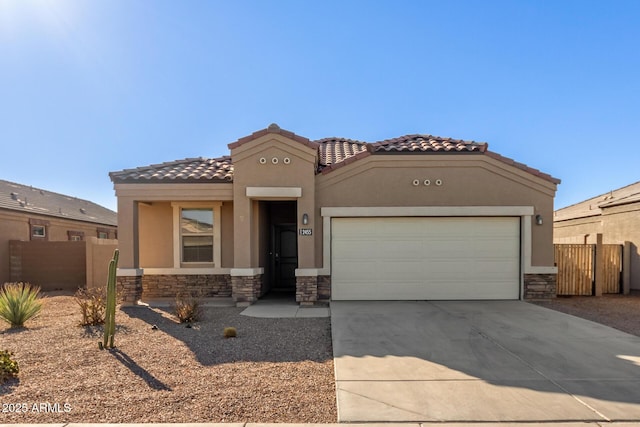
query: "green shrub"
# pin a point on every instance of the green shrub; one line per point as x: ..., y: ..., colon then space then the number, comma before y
x: 93, y: 303
x: 230, y: 332
x: 19, y: 302
x: 8, y: 366
x: 188, y: 308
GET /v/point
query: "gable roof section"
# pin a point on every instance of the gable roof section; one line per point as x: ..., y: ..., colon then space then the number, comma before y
x: 594, y: 205
x: 332, y: 154
x: 27, y: 199
x: 273, y: 128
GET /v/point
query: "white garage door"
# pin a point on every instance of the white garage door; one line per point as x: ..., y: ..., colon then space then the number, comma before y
x: 425, y: 258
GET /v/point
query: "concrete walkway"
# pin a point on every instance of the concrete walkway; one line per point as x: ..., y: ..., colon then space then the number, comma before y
x: 496, y: 361
x: 282, y: 308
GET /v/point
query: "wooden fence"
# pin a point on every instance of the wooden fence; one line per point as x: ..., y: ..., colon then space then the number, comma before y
x: 577, y: 269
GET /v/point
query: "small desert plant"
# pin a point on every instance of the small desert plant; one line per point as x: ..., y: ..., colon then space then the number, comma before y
x: 188, y: 308
x: 230, y: 332
x: 92, y: 304
x: 8, y: 366
x: 19, y: 302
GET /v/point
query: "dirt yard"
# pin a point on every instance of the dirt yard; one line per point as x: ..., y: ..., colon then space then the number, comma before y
x: 276, y: 370
x: 618, y: 311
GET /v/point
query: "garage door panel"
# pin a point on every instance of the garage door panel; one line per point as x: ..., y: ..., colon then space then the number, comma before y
x: 425, y: 258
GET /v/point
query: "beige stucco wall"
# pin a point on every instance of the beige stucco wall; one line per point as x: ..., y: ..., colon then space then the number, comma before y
x: 373, y: 181
x: 15, y: 226
x: 617, y: 225
x: 99, y: 253
x: 467, y: 180
x: 226, y: 229
x: 156, y: 234
x: 249, y: 172
x: 132, y: 198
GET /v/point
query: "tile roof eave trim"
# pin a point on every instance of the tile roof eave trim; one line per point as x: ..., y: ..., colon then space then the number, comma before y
x: 522, y: 166
x: 171, y: 181
x: 275, y: 129
x: 579, y: 215
x: 427, y: 152
x: 621, y: 202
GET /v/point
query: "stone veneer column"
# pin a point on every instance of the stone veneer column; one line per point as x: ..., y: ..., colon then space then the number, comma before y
x: 540, y: 286
x: 306, y: 290
x: 246, y: 289
x: 130, y: 288
x: 324, y: 288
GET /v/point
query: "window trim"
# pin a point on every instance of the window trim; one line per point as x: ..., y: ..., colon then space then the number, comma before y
x: 38, y: 235
x: 177, y: 234
x: 103, y: 230
x: 38, y: 223
x: 72, y: 234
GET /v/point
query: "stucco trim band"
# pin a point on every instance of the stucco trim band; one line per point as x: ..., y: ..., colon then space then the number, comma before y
x: 427, y: 211
x: 236, y: 272
x: 274, y: 192
x: 185, y: 271
x: 123, y: 272
x: 306, y: 272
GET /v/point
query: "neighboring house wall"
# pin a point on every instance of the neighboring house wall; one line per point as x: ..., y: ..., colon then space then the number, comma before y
x: 15, y: 225
x: 616, y: 223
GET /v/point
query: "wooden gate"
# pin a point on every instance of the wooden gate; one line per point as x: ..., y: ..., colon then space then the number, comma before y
x: 612, y: 255
x: 577, y: 267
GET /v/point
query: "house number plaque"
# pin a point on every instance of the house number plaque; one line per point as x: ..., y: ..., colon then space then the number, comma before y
x: 306, y: 231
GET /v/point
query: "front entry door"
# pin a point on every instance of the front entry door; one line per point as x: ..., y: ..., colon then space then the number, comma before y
x: 285, y: 257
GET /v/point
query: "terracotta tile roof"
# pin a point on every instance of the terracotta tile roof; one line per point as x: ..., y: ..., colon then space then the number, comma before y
x: 593, y: 206
x: 427, y: 143
x: 36, y: 201
x: 187, y: 170
x: 336, y: 150
x: 332, y: 154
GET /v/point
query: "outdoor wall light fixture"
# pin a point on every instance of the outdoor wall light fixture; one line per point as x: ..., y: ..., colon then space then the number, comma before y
x: 305, y: 219
x: 539, y: 219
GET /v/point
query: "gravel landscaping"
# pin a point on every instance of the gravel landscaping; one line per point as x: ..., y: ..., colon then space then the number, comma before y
x: 276, y: 370
x: 617, y: 311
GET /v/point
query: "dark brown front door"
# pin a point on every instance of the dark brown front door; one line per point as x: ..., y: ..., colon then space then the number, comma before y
x: 285, y: 257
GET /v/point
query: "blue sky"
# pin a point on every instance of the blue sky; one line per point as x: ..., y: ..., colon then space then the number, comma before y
x: 89, y: 87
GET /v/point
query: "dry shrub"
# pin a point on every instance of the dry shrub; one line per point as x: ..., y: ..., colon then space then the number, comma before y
x: 93, y: 304
x: 188, y: 308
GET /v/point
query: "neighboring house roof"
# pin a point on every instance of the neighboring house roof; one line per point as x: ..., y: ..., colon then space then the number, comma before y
x: 332, y: 153
x: 31, y: 200
x: 594, y: 205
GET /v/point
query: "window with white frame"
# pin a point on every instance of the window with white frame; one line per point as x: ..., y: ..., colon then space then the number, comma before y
x: 196, y: 230
x: 38, y: 231
x: 196, y: 234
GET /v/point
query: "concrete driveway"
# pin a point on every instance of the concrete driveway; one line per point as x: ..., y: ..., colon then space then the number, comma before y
x: 480, y: 361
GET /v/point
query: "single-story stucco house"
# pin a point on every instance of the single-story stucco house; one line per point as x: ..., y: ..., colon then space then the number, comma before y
x: 411, y: 218
x: 615, y: 215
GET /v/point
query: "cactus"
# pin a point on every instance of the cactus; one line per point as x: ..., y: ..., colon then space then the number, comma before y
x: 110, y: 314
